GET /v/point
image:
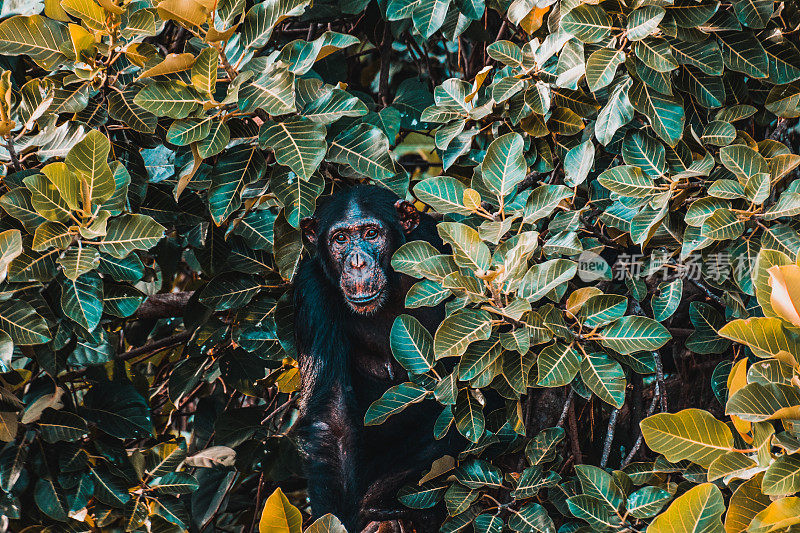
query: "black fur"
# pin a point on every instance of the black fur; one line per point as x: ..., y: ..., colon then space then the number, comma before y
x: 355, y: 471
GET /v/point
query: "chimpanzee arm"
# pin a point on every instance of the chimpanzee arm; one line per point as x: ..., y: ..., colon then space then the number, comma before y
x: 327, y: 429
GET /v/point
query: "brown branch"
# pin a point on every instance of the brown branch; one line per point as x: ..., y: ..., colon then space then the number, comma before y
x: 573, y: 436
x: 147, y: 349
x: 164, y: 305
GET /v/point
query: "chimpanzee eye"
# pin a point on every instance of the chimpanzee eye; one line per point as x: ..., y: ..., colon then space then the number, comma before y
x: 341, y: 238
x: 371, y: 234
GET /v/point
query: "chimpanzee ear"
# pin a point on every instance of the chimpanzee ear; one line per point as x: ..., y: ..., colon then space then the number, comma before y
x: 407, y: 214
x: 308, y: 225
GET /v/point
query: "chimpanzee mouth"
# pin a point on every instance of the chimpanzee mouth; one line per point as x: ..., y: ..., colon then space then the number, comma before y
x: 360, y: 300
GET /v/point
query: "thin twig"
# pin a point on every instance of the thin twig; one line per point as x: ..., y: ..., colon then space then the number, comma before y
x: 573, y: 436
x: 660, y: 381
x: 638, y: 444
x: 612, y: 425
x: 567, y: 403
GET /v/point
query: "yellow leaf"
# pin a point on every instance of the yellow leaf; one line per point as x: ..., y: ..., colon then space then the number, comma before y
x: 778, y: 516
x: 472, y: 199
x: 289, y: 381
x: 53, y: 10
x: 81, y: 39
x: 533, y: 20
x: 280, y: 516
x: 88, y: 11
x: 579, y: 297
x: 171, y: 64
x: 187, y: 12
x: 785, y: 295
x: 736, y: 380
x: 111, y: 7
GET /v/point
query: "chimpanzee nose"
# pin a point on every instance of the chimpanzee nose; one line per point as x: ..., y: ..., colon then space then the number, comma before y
x: 358, y: 261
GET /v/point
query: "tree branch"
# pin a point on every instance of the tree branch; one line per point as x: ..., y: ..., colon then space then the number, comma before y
x: 164, y: 305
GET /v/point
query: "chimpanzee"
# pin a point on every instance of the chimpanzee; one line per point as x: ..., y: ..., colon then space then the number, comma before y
x: 346, y: 298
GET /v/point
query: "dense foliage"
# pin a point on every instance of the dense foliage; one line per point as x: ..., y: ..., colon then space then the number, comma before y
x: 617, y: 183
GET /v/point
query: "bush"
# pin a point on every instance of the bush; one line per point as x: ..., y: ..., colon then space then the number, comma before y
x: 618, y: 184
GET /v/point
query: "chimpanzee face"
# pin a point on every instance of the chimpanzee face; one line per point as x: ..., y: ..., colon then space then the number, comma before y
x: 358, y: 246
x: 356, y: 250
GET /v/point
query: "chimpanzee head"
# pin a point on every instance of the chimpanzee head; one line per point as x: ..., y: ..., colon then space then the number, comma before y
x: 355, y: 232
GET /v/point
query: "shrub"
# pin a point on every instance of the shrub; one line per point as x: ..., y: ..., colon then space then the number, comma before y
x: 617, y: 182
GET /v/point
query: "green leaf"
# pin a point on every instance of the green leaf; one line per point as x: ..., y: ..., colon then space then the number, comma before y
x: 627, y: 180
x: 656, y: 54
x: 460, y: 329
x: 298, y: 143
x: 753, y: 13
x: 299, y: 197
x: 631, y: 334
x: 530, y: 517
x: 756, y: 402
x: 468, y: 415
x: 262, y: 18
x: 718, y: 133
x: 272, y: 91
x: 204, y: 70
x: 594, y: 511
x: 48, y: 500
x: 38, y: 37
x: 616, y: 113
x: 605, y: 378
x: 89, y: 160
x: 22, y: 323
x: 167, y: 99
x: 665, y: 113
x: 723, y: 224
x: 647, y: 502
x: 122, y: 107
x: 602, y: 66
x: 130, y: 232
x: 643, y: 21
x: 704, y: 55
x: 443, y: 193
x: 393, y: 401
x: 699, y: 509
x: 189, y: 130
x: 641, y: 150
x: 542, y: 278
x: 229, y: 291
x: 423, y: 496
x: 666, y: 301
x: 742, y: 52
x: 175, y: 483
x: 429, y: 16
x: 62, y: 426
x: 469, y: 251
x: 365, y: 149
x: 82, y: 300
x: 46, y: 199
x: 411, y: 344
x: 504, y: 165
x: 784, y: 100
x: 52, y: 234
x: 238, y: 167
x: 588, y: 22
x: 557, y: 365
x: 505, y: 52
x: 599, y: 484
x: 691, y: 434
x: 602, y: 309
x: 78, y: 260
x: 66, y: 182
